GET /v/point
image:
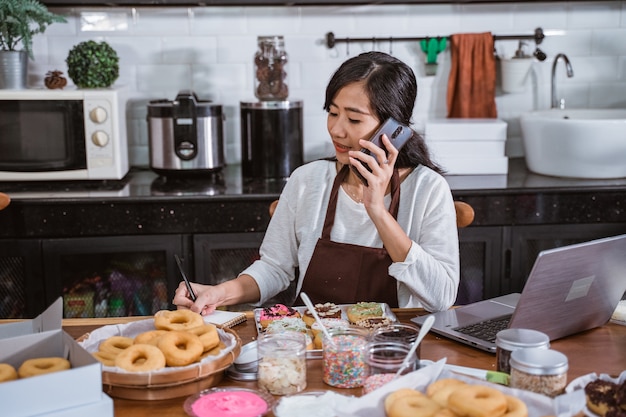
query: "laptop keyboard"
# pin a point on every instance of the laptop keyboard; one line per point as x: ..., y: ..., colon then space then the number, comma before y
x: 486, y: 330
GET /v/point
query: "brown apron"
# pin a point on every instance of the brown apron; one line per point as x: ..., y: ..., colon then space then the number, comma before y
x: 344, y: 273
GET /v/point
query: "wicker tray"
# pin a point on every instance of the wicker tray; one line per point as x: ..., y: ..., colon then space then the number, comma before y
x: 171, y: 382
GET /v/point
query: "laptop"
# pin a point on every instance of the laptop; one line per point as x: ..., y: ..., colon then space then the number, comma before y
x: 569, y: 289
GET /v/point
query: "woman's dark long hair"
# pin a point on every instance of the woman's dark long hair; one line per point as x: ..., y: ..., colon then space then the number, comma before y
x: 392, y: 89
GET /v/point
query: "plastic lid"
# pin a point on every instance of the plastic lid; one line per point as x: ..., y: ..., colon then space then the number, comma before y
x: 513, y: 339
x: 537, y: 361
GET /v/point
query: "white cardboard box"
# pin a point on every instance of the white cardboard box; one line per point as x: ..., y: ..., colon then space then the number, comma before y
x: 465, y: 129
x: 74, y: 392
x: 474, y: 166
x: 51, y: 319
x: 467, y: 149
x: 102, y: 408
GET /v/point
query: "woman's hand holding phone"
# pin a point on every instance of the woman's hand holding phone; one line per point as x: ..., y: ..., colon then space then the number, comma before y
x: 378, y: 152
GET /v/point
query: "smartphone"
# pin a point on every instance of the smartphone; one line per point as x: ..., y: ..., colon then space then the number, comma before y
x: 397, y: 133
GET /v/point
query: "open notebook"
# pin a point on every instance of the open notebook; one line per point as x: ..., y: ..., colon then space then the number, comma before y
x: 570, y: 289
x: 225, y: 318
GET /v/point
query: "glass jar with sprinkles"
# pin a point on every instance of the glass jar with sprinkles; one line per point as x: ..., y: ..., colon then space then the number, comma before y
x: 384, y: 360
x: 510, y: 340
x: 543, y: 371
x: 343, y: 357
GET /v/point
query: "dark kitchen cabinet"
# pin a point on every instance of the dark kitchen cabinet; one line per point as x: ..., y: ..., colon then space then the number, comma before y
x: 480, y: 257
x: 522, y: 244
x: 221, y: 257
x: 112, y: 276
x: 21, y: 279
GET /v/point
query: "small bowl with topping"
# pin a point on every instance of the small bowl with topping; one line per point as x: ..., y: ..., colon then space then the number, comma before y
x: 231, y: 401
x: 310, y: 404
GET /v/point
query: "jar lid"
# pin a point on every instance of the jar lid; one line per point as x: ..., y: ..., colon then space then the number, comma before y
x: 513, y: 339
x: 538, y: 361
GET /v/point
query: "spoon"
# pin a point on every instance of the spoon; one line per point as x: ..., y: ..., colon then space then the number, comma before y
x: 428, y: 323
x: 311, y: 307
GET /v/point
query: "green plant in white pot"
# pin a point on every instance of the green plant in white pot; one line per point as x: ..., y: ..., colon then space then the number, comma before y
x: 92, y: 64
x: 20, y: 20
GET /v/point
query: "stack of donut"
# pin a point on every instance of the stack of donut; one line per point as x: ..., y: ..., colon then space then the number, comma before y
x: 606, y: 398
x: 180, y: 338
x: 33, y: 367
x: 450, y: 397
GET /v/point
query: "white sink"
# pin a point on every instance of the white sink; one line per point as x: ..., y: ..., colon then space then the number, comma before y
x: 576, y: 143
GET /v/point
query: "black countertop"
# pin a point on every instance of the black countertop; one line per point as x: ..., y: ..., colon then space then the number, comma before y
x: 145, y: 203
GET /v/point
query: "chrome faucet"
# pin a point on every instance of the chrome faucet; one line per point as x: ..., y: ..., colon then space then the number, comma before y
x: 570, y: 74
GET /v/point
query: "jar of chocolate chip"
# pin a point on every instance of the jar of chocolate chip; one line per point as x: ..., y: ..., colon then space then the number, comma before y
x: 270, y: 69
x: 509, y: 340
x: 543, y: 371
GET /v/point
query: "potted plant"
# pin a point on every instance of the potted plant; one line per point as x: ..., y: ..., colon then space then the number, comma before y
x: 20, y: 20
x: 93, y: 65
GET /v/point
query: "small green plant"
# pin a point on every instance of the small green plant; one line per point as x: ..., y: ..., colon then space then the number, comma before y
x: 93, y: 65
x: 20, y: 20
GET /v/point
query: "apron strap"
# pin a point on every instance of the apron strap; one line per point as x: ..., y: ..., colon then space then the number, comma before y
x: 334, y: 195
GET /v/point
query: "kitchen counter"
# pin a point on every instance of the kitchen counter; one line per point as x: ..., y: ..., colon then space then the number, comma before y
x: 144, y: 203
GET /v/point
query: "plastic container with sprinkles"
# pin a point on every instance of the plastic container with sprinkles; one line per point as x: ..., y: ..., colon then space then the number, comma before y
x: 510, y: 340
x: 543, y: 371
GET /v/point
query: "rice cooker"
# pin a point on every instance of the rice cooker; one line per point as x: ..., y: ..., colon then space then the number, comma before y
x: 186, y: 135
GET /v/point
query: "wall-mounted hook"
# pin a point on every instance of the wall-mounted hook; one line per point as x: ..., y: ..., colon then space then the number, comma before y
x: 390, y: 44
x: 540, y: 55
x: 347, y: 46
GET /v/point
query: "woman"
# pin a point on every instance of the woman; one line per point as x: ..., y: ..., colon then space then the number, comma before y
x: 394, y: 240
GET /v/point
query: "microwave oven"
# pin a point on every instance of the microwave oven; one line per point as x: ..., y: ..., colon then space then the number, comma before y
x: 74, y: 134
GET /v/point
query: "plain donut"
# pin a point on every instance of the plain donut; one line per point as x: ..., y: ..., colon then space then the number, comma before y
x: 151, y: 337
x: 140, y: 358
x: 180, y: 348
x: 40, y: 366
x: 440, y: 390
x: 413, y: 405
x: 208, y: 336
x: 115, y: 344
x: 177, y: 320
x: 7, y: 372
x: 477, y: 401
x: 515, y: 407
x: 106, y: 358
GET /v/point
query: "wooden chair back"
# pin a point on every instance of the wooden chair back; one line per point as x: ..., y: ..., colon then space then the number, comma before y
x: 4, y: 200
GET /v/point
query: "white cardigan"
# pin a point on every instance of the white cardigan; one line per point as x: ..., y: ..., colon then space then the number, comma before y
x: 428, y: 277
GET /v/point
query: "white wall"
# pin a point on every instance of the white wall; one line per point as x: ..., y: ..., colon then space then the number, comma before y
x: 210, y: 49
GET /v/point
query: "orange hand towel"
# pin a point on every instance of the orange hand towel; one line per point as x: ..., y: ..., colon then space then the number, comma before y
x: 472, y: 81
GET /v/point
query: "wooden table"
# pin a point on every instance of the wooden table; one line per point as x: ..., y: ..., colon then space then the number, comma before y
x: 601, y: 350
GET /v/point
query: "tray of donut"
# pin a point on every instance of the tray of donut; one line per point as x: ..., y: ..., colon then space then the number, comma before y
x: 436, y: 391
x: 174, y: 354
x: 279, y: 317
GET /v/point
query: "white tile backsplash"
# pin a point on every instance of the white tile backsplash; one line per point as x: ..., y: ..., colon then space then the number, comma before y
x: 210, y: 50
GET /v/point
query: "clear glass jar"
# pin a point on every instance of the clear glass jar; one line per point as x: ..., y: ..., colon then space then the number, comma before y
x: 510, y: 340
x: 281, y: 368
x: 398, y: 332
x: 384, y: 359
x: 270, y: 69
x: 344, y: 357
x: 539, y: 370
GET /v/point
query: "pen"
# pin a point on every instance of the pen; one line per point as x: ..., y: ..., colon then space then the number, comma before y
x: 182, y: 272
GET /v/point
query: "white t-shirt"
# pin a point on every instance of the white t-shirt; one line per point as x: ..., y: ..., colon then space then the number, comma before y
x: 428, y: 277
